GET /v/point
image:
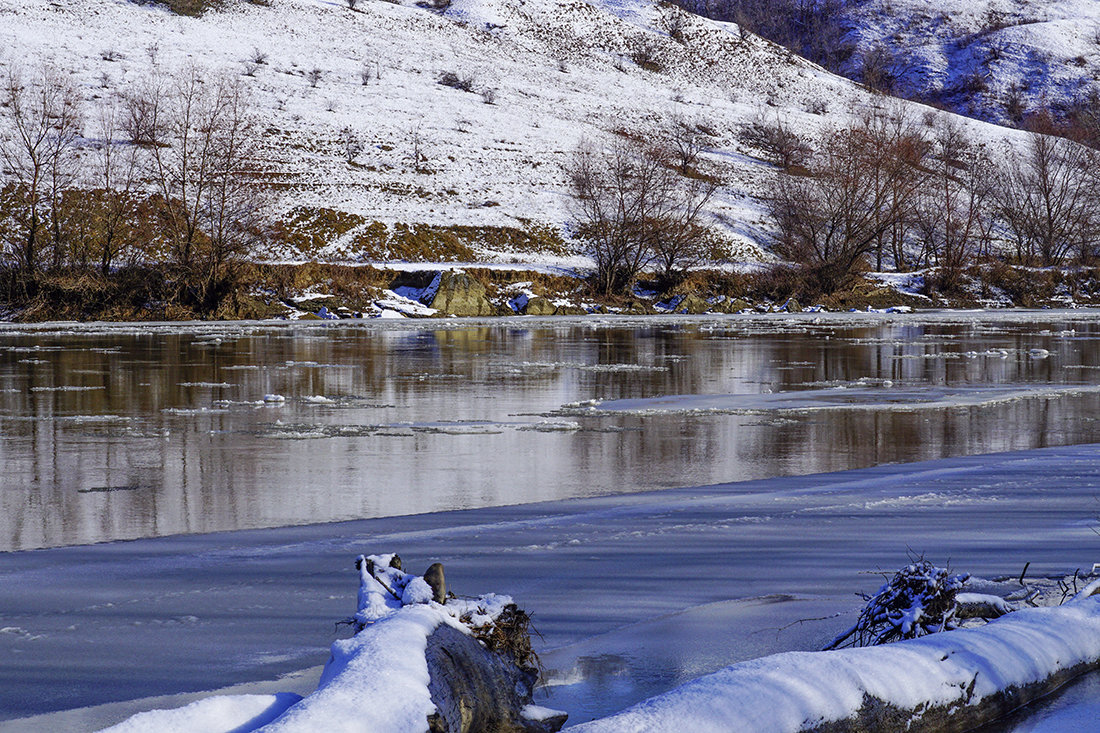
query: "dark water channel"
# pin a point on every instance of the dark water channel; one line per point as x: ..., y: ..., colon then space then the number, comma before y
x: 129, y: 431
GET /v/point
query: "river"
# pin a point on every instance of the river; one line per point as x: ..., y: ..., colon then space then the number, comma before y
x: 517, y: 453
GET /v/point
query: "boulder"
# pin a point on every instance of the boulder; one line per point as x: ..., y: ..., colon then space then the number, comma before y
x: 638, y: 308
x: 570, y: 310
x: 692, y: 304
x: 459, y: 294
x: 538, y: 306
x: 725, y: 304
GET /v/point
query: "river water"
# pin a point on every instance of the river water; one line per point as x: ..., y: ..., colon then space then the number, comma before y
x: 127, y: 431
x: 162, y: 433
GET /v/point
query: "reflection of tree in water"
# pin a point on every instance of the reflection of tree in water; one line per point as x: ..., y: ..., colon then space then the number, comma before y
x: 154, y: 471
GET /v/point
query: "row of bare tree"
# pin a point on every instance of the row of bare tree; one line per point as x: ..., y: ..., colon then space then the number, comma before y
x: 164, y: 175
x: 890, y: 192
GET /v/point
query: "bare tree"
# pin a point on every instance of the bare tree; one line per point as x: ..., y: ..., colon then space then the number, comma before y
x: 113, y: 190
x: 860, y: 185
x: 42, y: 121
x: 682, y: 240
x: 688, y: 143
x: 203, y: 168
x: 633, y: 208
x: 1047, y: 201
x: 954, y: 221
x: 898, y: 149
x: 780, y: 145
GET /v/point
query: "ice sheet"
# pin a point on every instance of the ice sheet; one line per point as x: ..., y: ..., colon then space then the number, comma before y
x: 243, y: 606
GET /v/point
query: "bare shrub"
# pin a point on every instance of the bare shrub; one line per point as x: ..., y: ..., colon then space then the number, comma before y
x: 314, y: 76
x: 644, y: 53
x: 462, y: 82
x: 489, y: 95
x: 687, y: 142
x: 351, y: 144
x: 780, y: 145
x: 419, y: 151
x: 920, y: 599
x: 141, y: 108
x: 674, y: 23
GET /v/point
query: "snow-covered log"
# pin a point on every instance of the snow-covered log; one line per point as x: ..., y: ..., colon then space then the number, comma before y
x: 416, y: 665
x: 952, y: 681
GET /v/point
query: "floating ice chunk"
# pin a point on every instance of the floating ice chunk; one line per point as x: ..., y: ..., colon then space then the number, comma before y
x: 274, y: 398
x: 1038, y: 353
x: 550, y: 426
x: 318, y: 399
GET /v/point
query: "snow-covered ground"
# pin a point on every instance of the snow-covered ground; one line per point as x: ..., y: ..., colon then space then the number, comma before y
x: 633, y: 594
x: 555, y: 71
x: 980, y: 54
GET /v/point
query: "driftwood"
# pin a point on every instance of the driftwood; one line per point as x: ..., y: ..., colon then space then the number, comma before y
x: 482, y: 669
x: 476, y: 690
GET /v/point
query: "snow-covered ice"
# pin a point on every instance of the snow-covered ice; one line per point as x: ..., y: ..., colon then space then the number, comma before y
x: 237, y: 606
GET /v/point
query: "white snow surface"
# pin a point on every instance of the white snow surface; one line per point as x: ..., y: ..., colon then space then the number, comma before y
x: 1040, y: 51
x: 218, y: 713
x: 378, y: 679
x: 799, y: 690
x: 560, y: 70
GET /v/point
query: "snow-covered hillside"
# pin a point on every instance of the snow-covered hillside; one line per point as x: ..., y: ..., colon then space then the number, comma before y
x: 543, y: 75
x: 994, y: 59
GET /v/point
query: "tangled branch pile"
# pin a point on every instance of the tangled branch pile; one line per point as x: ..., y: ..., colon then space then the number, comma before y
x: 920, y: 599
x: 509, y: 634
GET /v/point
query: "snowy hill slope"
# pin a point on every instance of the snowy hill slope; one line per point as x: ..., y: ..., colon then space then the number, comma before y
x: 993, y: 59
x: 543, y: 75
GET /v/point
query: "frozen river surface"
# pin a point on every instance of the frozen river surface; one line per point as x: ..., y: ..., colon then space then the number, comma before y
x: 127, y: 432
x: 632, y: 593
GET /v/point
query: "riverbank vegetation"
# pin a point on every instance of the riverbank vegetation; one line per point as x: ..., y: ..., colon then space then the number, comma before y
x: 157, y: 205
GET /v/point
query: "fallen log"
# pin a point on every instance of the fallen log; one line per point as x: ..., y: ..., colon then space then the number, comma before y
x: 416, y: 665
x: 953, y: 681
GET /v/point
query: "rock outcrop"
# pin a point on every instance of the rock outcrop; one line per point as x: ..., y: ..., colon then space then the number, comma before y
x: 459, y: 294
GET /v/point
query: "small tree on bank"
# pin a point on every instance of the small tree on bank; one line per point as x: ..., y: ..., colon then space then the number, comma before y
x: 632, y: 207
x: 204, y: 170
x: 860, y: 191
x: 41, y: 120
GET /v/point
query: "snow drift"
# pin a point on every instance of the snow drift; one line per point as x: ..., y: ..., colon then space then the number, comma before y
x: 949, y: 681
